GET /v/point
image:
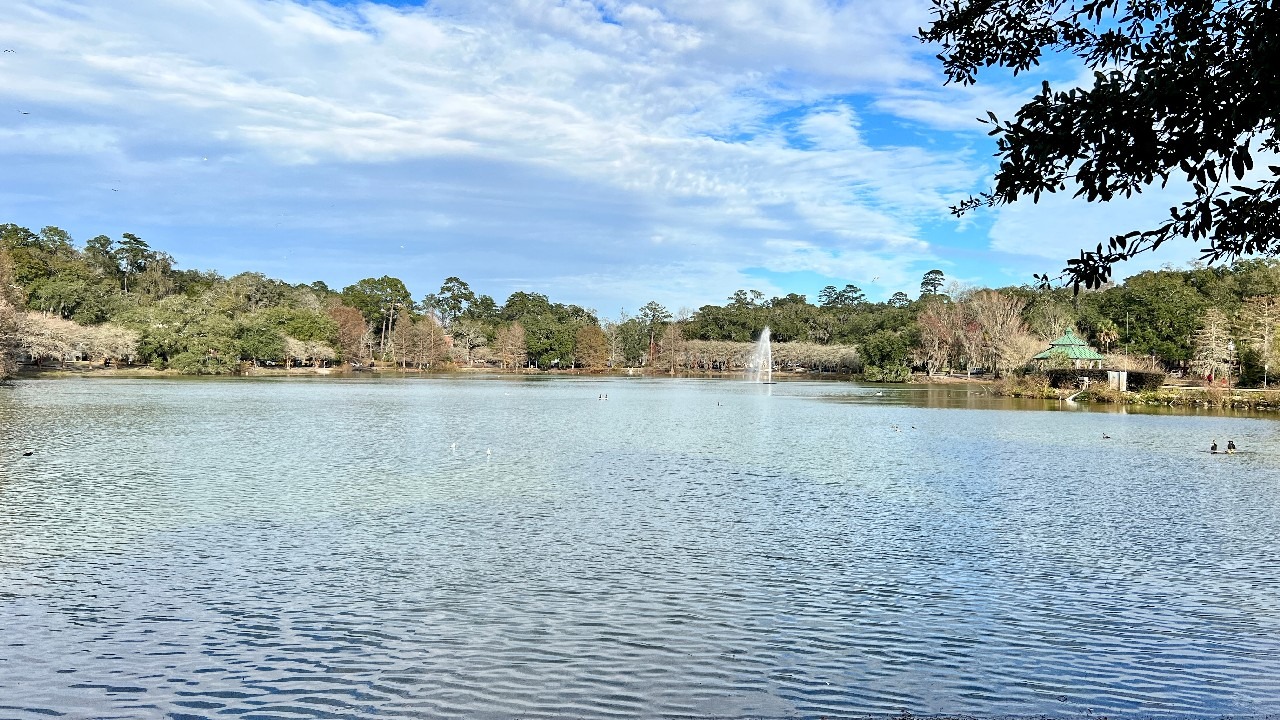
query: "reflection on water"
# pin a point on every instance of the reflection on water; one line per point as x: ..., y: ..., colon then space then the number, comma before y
x: 511, y: 548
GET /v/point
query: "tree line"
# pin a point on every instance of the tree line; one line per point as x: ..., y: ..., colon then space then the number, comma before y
x: 120, y: 301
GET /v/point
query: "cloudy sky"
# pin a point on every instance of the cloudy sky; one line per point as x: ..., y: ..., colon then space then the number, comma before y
x: 604, y: 153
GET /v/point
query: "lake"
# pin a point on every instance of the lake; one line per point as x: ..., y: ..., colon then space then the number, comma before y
x: 519, y: 547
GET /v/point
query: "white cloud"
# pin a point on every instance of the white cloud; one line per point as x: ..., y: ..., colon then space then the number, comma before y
x: 502, y: 123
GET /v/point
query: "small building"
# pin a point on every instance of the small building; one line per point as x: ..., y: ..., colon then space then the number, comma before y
x: 1075, y: 350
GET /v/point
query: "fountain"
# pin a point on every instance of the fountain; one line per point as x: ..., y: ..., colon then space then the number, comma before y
x: 760, y: 364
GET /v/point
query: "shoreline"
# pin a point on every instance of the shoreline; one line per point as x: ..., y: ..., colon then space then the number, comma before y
x: 1188, y: 396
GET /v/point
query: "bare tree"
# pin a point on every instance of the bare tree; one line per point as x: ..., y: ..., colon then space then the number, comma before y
x: 8, y: 339
x: 45, y: 336
x: 1259, y: 321
x: 109, y: 342
x: 999, y: 318
x: 10, y: 301
x: 511, y: 346
x: 939, y: 322
x: 467, y: 336
x: 671, y: 349
x: 1213, y: 352
x: 353, y: 332
x: 423, y: 342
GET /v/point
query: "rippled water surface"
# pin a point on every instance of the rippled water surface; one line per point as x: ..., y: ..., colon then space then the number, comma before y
x: 516, y: 548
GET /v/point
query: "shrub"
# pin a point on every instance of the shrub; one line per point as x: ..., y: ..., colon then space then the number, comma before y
x: 1140, y: 380
x: 893, y: 373
x: 1102, y: 393
x: 192, y: 363
x: 1068, y: 377
x: 1029, y: 385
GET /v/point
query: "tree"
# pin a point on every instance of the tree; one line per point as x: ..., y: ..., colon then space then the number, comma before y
x: 483, y: 310
x: 43, y: 336
x: 423, y: 342
x: 260, y: 341
x: 626, y: 341
x: 351, y: 331
x: 1106, y: 332
x: 1260, y: 322
x: 1181, y: 88
x: 454, y: 298
x: 510, y: 345
x: 591, y: 347
x: 999, y: 316
x: 652, y: 316
x: 132, y: 256
x: 931, y: 283
x: 937, y: 324
x: 467, y: 336
x: 9, y: 303
x: 1157, y: 312
x: 381, y: 301
x: 1214, y: 351
x: 850, y: 296
x: 100, y: 254
x: 899, y: 300
x: 884, y: 356
x: 671, y: 348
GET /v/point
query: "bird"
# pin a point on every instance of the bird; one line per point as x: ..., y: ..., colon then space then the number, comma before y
x: 8, y: 50
x: 1106, y: 436
x: 488, y: 451
x: 454, y: 447
x: 23, y: 112
x: 29, y: 453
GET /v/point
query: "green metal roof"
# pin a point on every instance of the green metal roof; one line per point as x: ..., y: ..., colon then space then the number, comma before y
x: 1071, y: 346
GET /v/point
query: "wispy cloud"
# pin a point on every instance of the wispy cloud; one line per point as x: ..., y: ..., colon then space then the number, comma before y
x: 589, y: 149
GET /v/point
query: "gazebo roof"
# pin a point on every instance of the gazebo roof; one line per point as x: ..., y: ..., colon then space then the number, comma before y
x: 1071, y: 346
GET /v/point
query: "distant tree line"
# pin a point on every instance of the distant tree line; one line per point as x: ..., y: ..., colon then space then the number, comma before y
x: 120, y: 301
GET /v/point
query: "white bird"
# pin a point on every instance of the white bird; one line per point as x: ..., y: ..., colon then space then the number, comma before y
x: 488, y: 451
x: 454, y: 447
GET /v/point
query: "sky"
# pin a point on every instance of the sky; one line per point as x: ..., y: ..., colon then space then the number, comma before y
x: 602, y: 153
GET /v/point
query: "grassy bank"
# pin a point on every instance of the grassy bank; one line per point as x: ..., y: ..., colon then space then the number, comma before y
x: 1037, y: 386
x: 1210, y: 397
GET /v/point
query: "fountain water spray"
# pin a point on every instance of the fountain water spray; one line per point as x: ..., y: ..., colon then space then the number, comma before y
x: 760, y: 364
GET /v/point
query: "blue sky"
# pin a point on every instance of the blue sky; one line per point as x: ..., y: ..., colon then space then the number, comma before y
x: 603, y: 153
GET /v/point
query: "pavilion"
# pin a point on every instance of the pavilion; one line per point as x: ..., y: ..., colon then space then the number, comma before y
x: 1075, y: 349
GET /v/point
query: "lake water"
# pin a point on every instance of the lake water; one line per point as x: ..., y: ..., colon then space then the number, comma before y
x: 518, y: 548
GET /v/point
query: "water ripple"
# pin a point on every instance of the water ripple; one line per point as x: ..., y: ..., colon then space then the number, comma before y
x: 519, y: 549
